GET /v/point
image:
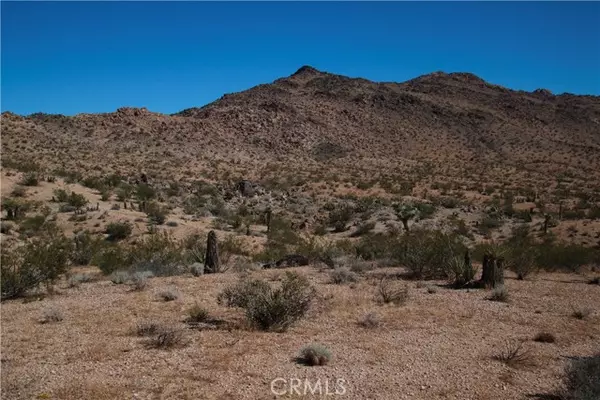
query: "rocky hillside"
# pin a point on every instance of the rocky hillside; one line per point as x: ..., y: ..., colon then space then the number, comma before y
x: 457, y: 122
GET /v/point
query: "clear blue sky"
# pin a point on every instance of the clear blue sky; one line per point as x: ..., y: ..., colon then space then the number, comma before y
x: 68, y: 57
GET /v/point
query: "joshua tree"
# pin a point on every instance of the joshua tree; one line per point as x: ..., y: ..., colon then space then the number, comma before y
x: 406, y: 212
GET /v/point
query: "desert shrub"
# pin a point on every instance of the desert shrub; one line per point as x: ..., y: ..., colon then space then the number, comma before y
x: 147, y: 328
x: 427, y: 253
x: 139, y: 280
x: 76, y: 200
x: 545, y: 337
x: 156, y: 213
x: 86, y: 247
x: 32, y: 225
x: 30, y: 179
x: 144, y: 192
x: 426, y: 210
x: 166, y: 338
x: 119, y: 277
x: 340, y: 217
x: 60, y: 195
x: 342, y: 275
x: 581, y: 313
x: 582, y: 379
x: 512, y: 353
x: 281, y: 240
x: 19, y: 191
x: 363, y: 229
x: 230, y: 246
x: 594, y: 212
x: 520, y: 252
x: 376, y: 246
x: 314, y: 354
x: 390, y: 291
x: 159, y: 253
x: 272, y: 309
x: 118, y: 230
x: 448, y: 202
x: 6, y: 227
x: 489, y: 223
x: 51, y: 315
x: 111, y: 258
x: 169, y: 294
x: 41, y: 261
x: 77, y: 279
x: 499, y: 293
x: 370, y: 320
x: 563, y: 256
x: 124, y: 191
x: 196, y: 314
x: 460, y: 271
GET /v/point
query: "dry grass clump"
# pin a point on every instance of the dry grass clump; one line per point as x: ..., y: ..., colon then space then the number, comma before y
x: 370, y: 320
x: 545, y: 337
x: 169, y: 294
x: 314, y: 354
x: 513, y: 354
x: 167, y: 337
x: 196, y: 314
x: 51, y: 315
x: 581, y: 313
x: 499, y: 293
x: 389, y: 291
x: 342, y: 275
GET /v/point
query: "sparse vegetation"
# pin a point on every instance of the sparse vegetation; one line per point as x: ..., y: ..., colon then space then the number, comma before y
x: 513, y: 354
x: 499, y: 293
x: 390, y: 291
x: 315, y: 354
x: 271, y: 309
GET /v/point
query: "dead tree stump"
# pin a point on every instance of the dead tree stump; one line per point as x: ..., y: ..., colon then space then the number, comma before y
x: 493, y: 271
x: 211, y: 263
x: 268, y: 216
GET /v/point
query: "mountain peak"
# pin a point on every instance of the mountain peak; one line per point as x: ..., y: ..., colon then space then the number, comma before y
x: 306, y: 70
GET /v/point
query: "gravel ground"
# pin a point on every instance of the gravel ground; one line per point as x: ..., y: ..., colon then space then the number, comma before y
x: 437, y: 346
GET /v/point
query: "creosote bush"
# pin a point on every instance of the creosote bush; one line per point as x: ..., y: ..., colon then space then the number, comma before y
x: 118, y: 230
x: 582, y: 379
x: 196, y: 314
x: 41, y: 261
x: 315, y: 355
x: 268, y: 308
x: 390, y: 291
x: 342, y: 275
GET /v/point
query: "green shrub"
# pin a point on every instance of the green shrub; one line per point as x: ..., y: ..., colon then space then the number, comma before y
x: 363, y: 229
x: 582, y: 379
x: 427, y: 253
x: 271, y: 309
x: 160, y: 254
x: 30, y: 179
x: 118, y: 230
x: 61, y: 195
x: 124, y: 191
x: 461, y: 271
x: 144, y: 192
x: 41, y: 261
x: 86, y: 247
x: 340, y: 217
x: 77, y: 200
x: 376, y: 246
x: 32, y: 225
x: 156, y: 213
x: 110, y: 259
x: 197, y: 314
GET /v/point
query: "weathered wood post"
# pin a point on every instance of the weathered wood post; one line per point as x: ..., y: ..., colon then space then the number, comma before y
x: 211, y: 263
x: 268, y: 216
x: 493, y: 271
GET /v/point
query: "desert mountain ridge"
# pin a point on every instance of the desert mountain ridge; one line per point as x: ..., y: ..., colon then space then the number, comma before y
x: 309, y: 70
x: 456, y: 122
